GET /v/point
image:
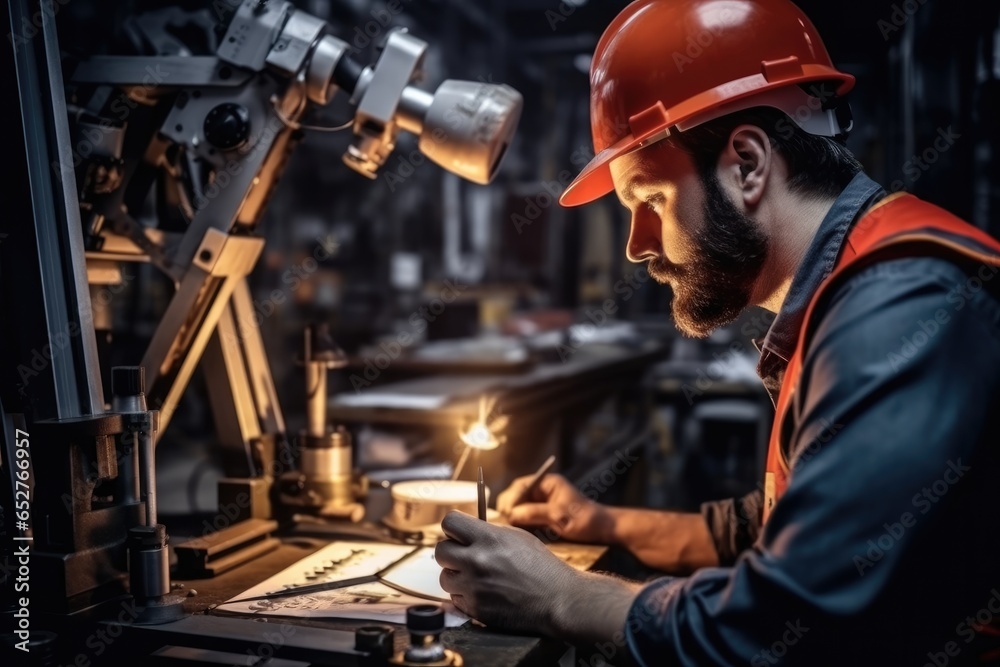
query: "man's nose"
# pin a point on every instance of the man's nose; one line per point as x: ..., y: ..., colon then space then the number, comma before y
x: 644, y: 238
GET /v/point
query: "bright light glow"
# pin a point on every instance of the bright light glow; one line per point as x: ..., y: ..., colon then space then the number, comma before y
x: 485, y: 432
x: 479, y: 436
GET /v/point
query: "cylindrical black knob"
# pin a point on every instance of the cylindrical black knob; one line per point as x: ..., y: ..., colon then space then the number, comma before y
x: 227, y: 126
x: 424, y: 619
x: 347, y: 73
x: 128, y: 380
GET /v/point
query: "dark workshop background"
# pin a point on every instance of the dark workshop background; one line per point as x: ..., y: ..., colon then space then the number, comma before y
x: 923, y: 67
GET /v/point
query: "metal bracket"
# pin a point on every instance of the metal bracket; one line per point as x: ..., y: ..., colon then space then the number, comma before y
x: 374, y: 126
x: 253, y: 30
x: 152, y: 72
x: 219, y: 264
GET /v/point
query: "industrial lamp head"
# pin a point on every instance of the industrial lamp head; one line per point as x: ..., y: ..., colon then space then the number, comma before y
x: 464, y: 126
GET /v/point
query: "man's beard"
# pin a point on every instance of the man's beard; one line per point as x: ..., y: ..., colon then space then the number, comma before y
x: 727, y: 255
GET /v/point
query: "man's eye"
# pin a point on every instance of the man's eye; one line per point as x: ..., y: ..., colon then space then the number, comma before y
x: 655, y: 204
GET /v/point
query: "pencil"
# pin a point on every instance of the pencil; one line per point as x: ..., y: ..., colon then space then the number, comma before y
x: 482, y: 495
x: 533, y: 484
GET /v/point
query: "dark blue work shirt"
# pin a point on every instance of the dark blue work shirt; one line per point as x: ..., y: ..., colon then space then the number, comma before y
x: 885, y: 548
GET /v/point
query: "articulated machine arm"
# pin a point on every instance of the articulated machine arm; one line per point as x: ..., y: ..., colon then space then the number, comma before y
x: 235, y: 116
x: 209, y: 135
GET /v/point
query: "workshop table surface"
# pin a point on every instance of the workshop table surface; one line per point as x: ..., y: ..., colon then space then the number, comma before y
x: 477, y: 645
x: 442, y: 398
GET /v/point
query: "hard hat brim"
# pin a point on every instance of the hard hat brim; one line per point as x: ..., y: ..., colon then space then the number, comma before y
x: 595, y: 180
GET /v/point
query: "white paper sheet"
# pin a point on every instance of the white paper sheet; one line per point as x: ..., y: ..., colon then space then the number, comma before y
x: 340, y: 561
x: 335, y: 562
x: 419, y: 574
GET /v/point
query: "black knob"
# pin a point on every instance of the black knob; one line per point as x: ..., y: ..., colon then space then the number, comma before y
x: 227, y: 126
x: 424, y: 619
x: 128, y: 380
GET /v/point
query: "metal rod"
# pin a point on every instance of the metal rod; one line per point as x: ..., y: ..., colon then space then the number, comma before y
x: 76, y: 383
x: 316, y: 397
x: 147, y: 475
x: 481, y: 495
x: 461, y: 463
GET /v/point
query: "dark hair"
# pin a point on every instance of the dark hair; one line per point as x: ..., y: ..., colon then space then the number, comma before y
x: 817, y: 166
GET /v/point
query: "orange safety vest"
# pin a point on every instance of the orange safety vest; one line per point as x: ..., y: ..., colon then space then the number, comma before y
x: 898, y: 226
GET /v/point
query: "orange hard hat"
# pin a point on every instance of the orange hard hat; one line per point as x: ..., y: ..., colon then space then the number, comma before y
x: 665, y: 66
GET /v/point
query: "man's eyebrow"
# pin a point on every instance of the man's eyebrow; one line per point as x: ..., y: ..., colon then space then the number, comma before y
x: 628, y: 192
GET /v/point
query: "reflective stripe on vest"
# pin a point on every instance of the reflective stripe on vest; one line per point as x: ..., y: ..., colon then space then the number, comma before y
x: 899, y: 225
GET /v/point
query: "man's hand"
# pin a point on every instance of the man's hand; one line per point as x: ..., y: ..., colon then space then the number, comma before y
x: 502, y: 576
x: 557, y: 505
x: 671, y: 541
x: 507, y: 579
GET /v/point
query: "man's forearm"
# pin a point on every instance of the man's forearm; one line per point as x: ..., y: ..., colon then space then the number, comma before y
x: 670, y: 541
x: 593, y: 609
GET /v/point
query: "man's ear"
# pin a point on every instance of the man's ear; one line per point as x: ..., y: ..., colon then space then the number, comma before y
x: 746, y: 162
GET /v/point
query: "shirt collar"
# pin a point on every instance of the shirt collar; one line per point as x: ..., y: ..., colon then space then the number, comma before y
x: 817, y: 263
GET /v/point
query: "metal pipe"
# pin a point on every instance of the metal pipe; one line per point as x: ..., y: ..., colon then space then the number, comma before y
x: 316, y: 397
x: 413, y: 106
x: 146, y: 473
